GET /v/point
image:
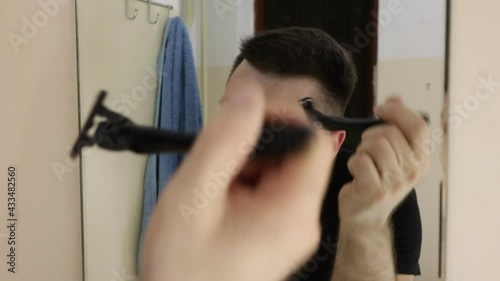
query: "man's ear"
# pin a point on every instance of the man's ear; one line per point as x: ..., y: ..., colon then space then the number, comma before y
x: 338, y: 138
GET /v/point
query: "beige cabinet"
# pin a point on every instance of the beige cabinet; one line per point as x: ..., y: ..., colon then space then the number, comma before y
x: 40, y: 216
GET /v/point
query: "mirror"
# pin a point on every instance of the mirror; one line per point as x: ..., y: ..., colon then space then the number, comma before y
x: 398, y: 46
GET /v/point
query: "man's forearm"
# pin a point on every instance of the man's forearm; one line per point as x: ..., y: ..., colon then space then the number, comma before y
x: 364, y: 253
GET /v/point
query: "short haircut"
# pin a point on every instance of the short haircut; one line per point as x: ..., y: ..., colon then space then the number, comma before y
x: 304, y: 52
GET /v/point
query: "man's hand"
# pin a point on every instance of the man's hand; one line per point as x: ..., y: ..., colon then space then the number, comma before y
x: 242, y: 231
x: 387, y: 165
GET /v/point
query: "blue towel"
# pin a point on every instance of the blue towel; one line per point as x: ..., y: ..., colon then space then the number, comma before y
x: 178, y: 108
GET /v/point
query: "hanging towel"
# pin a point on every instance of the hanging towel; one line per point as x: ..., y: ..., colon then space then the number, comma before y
x: 178, y: 108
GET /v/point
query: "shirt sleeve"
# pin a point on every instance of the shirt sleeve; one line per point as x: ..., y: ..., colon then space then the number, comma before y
x: 407, y: 227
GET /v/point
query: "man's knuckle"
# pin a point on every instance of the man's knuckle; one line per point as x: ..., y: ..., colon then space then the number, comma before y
x: 381, y: 144
x: 421, y: 129
x: 363, y: 150
x: 413, y: 176
x: 391, y: 132
x: 382, y: 195
x: 351, y: 163
x: 367, y: 134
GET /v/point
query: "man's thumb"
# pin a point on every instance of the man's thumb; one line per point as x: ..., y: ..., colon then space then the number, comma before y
x: 223, y: 146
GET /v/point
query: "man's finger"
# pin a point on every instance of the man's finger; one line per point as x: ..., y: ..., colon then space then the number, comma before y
x: 395, y: 137
x: 220, y: 151
x: 394, y: 99
x: 411, y: 123
x: 365, y: 174
x: 382, y: 154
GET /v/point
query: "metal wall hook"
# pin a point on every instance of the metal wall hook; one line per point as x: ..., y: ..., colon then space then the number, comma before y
x: 169, y: 8
x: 149, y: 14
x: 134, y: 15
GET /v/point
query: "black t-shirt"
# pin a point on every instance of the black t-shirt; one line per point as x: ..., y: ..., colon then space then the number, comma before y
x: 406, y: 223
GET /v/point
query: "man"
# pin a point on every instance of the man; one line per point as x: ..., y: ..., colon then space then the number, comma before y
x: 294, y: 63
x: 263, y: 219
x: 263, y: 226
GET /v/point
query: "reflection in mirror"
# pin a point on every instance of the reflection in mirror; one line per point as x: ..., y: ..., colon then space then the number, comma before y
x: 173, y: 71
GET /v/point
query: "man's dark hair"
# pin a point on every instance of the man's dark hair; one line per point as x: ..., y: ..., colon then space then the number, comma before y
x: 305, y: 52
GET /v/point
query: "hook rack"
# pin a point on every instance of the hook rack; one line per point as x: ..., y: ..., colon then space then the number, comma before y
x: 150, y: 16
x: 134, y: 15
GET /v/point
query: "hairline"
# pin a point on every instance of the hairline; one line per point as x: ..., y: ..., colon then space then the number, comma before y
x: 322, y: 91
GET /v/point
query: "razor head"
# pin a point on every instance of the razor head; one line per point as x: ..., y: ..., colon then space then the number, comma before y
x: 85, y: 139
x: 307, y: 102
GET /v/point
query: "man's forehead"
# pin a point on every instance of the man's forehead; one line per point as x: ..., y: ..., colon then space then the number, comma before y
x: 292, y: 88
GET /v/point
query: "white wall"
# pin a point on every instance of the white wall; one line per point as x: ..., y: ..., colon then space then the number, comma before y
x: 411, y: 29
x: 120, y: 56
x: 411, y: 63
x: 474, y: 224
x: 228, y: 22
x: 39, y: 123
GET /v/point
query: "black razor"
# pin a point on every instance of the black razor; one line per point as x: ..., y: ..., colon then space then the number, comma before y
x: 119, y: 133
x: 333, y: 123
